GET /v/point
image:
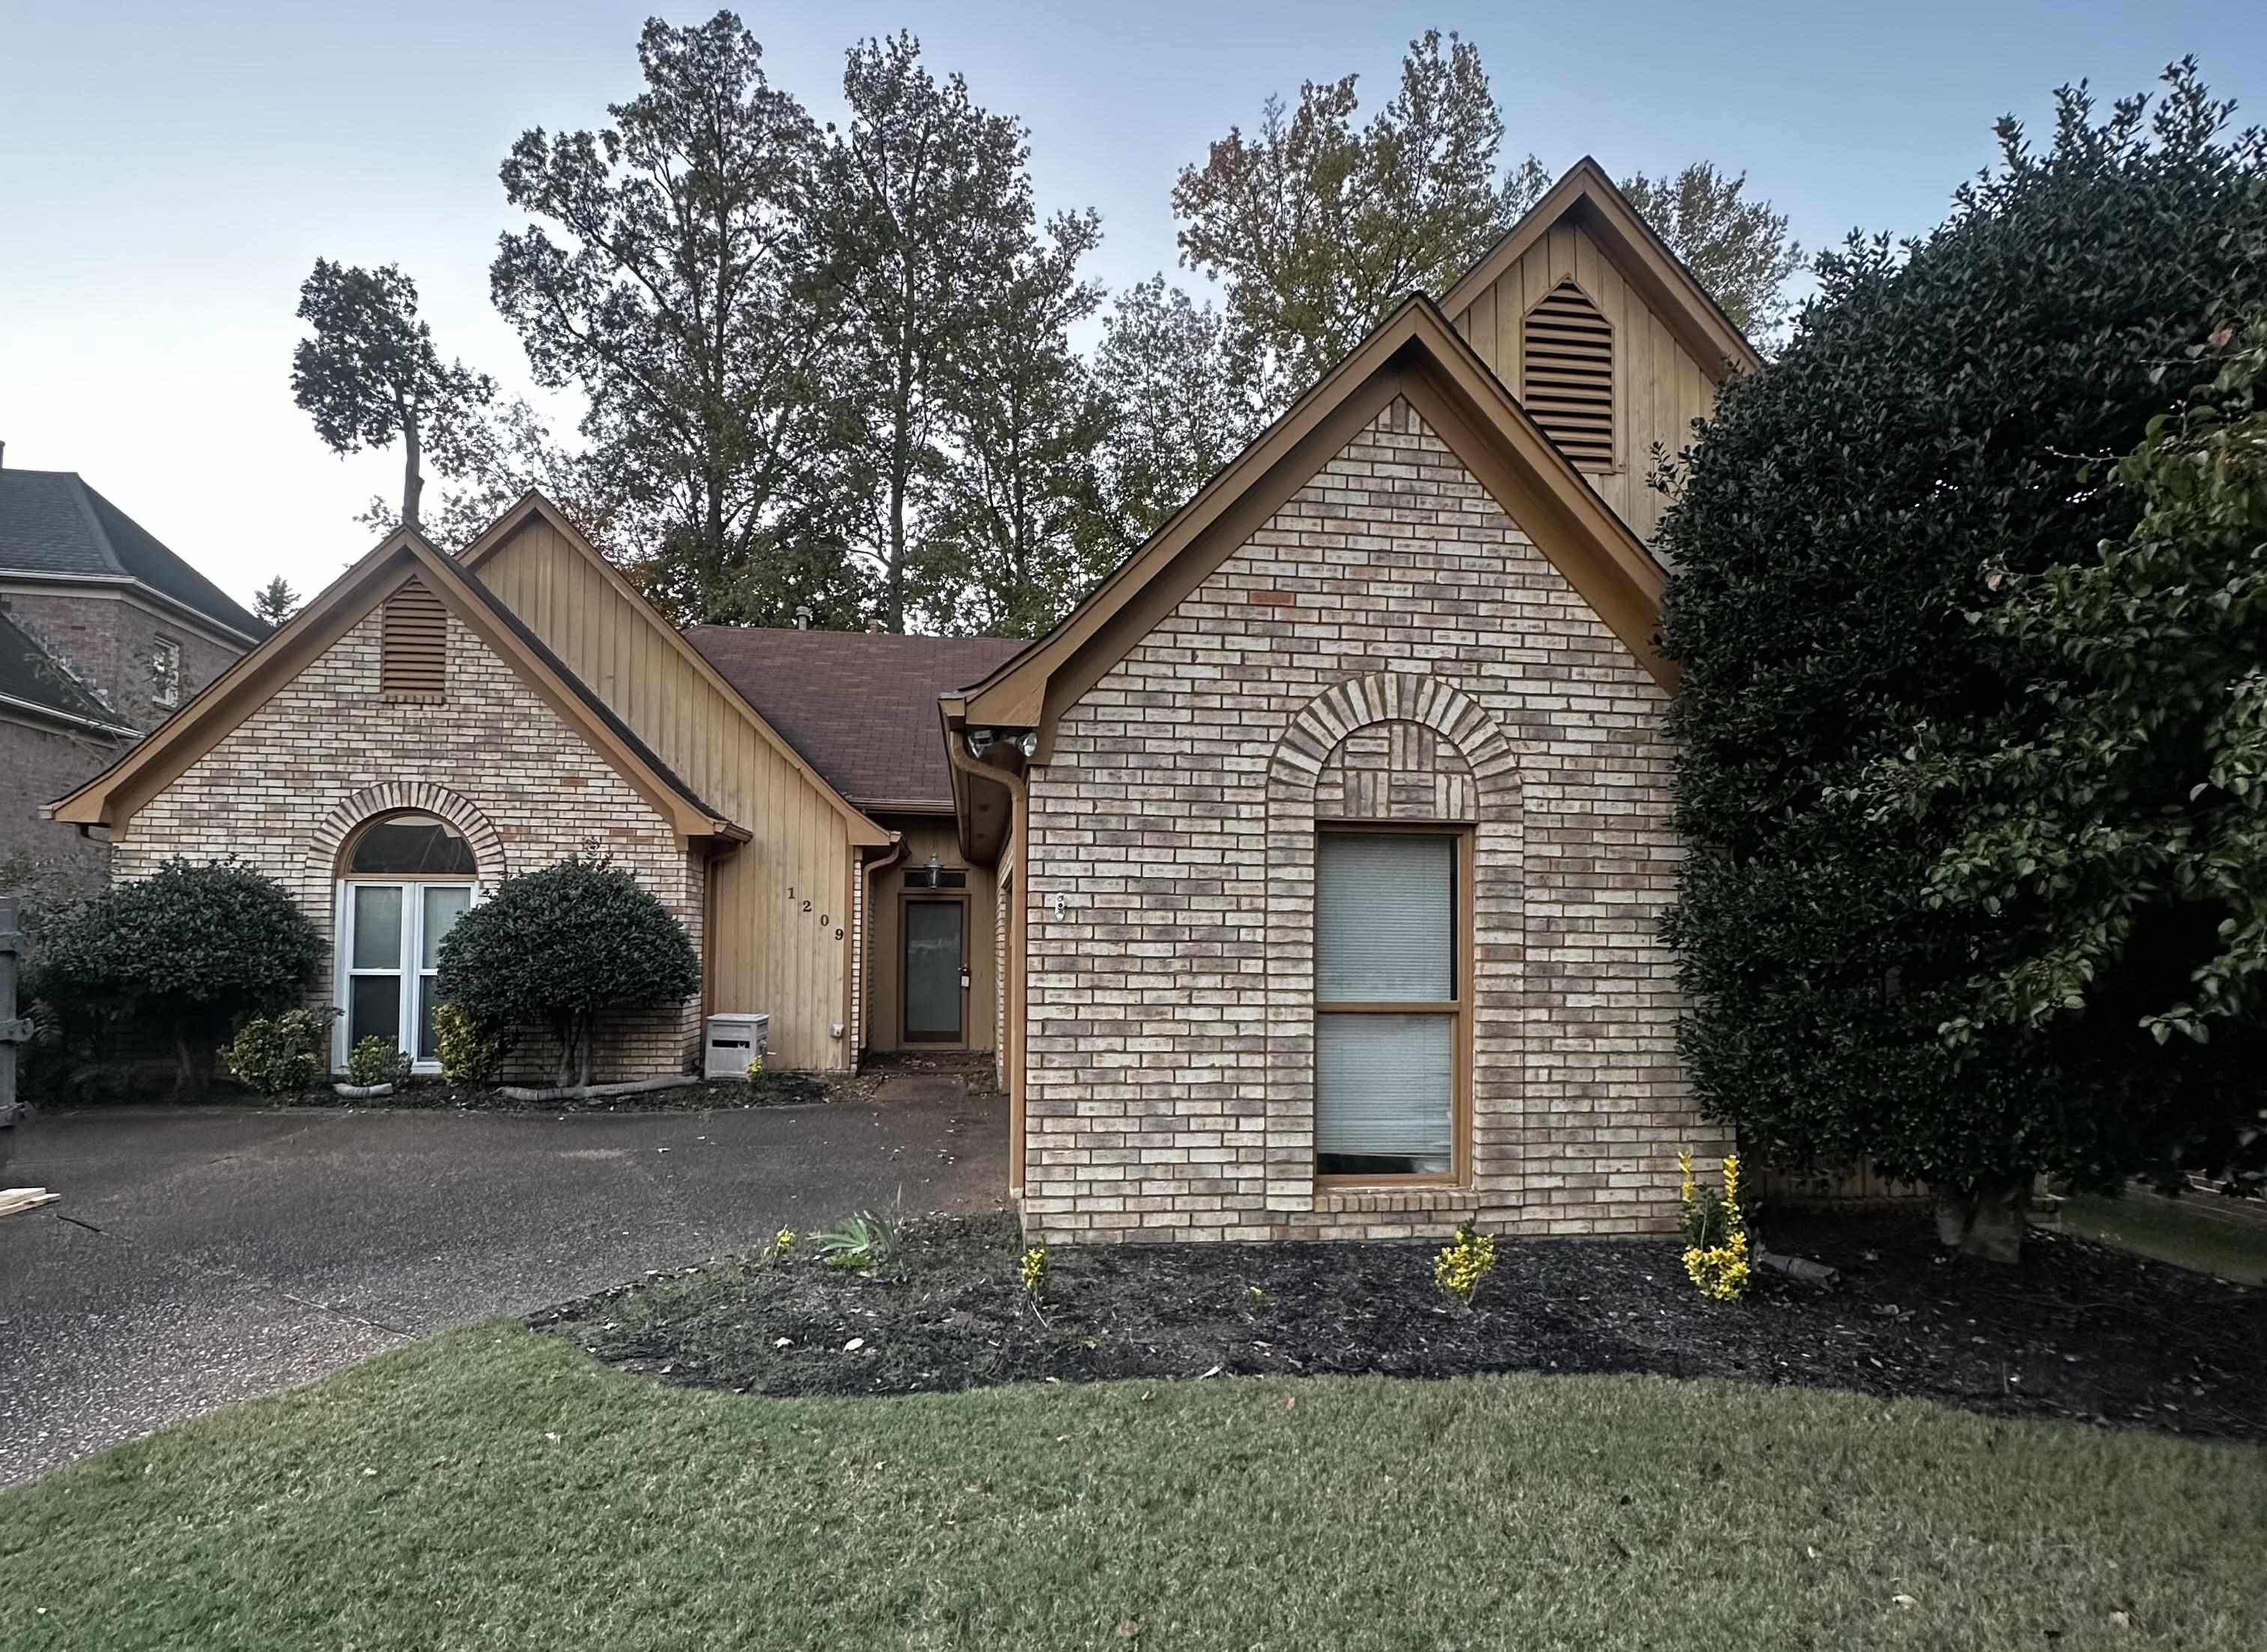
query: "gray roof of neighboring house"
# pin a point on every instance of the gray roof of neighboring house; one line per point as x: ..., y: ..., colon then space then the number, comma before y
x: 52, y: 523
x: 29, y: 673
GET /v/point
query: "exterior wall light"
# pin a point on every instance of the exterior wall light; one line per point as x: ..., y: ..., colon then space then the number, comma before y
x: 979, y: 741
x: 1029, y: 745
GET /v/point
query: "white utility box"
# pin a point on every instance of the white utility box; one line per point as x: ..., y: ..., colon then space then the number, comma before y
x: 734, y: 1040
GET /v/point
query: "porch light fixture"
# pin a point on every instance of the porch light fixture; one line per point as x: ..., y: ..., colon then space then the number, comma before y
x: 925, y: 877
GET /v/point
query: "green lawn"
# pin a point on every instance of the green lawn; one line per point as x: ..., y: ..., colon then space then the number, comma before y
x: 494, y: 1489
x: 2186, y: 1232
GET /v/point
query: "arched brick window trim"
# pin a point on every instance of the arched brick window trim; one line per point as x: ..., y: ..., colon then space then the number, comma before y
x: 1465, y: 728
x: 321, y: 860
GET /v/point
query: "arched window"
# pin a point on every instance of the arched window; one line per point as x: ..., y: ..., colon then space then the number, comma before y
x: 404, y: 880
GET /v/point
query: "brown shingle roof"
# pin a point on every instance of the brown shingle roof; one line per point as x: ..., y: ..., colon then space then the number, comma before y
x: 861, y: 707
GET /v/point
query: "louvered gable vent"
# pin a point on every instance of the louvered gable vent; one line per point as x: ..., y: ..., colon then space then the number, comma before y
x: 1566, y: 373
x: 413, y: 650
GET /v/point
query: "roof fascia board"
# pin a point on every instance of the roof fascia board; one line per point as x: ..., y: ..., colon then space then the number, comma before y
x: 112, y: 797
x: 862, y: 830
x: 17, y: 710
x: 125, y: 587
x: 1642, y: 257
x: 1013, y: 694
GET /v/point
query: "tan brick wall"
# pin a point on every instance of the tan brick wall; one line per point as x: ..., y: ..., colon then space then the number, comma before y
x: 282, y: 788
x: 1428, y: 664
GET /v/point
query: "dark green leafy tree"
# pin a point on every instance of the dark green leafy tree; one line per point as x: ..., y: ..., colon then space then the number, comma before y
x: 926, y: 212
x: 1830, y: 532
x: 1183, y: 397
x: 2115, y: 818
x: 501, y: 455
x: 1738, y: 249
x: 189, y: 950
x: 1018, y: 493
x: 368, y: 375
x: 560, y: 947
x: 674, y: 280
x: 276, y: 602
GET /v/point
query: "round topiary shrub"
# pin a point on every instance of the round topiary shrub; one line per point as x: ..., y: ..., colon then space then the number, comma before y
x: 190, y: 949
x: 558, y: 947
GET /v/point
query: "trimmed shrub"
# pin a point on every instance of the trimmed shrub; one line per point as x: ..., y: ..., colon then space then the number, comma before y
x: 470, y: 1053
x: 375, y: 1061
x: 558, y: 947
x: 188, y: 949
x: 280, y: 1055
x: 1932, y: 419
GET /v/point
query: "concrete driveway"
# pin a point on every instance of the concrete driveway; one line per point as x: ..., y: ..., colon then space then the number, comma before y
x: 199, y: 1256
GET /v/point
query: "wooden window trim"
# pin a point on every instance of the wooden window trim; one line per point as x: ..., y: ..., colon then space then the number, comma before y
x: 1459, y: 1009
x: 907, y: 1040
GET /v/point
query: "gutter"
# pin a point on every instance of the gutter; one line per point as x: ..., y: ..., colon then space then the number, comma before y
x: 953, y: 712
x: 866, y: 873
x: 32, y: 707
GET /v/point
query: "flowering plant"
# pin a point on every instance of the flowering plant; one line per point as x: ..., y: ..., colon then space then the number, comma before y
x: 1464, y: 1263
x: 1715, y: 1233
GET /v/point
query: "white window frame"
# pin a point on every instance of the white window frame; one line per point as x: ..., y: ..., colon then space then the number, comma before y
x: 408, y: 967
x: 164, y: 672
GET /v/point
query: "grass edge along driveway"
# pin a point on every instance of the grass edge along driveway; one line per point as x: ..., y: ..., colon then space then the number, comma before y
x: 492, y: 1488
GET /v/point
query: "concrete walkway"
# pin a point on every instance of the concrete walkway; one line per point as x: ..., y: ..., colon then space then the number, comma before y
x: 202, y: 1255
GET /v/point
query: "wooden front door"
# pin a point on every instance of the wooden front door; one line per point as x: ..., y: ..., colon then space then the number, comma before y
x: 934, y: 953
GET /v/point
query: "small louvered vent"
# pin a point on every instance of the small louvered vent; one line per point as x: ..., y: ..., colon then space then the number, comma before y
x: 414, y: 655
x: 1568, y: 375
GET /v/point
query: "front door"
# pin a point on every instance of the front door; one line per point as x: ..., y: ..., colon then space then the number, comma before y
x: 933, y: 931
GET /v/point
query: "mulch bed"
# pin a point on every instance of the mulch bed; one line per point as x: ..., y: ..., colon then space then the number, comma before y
x: 2077, y: 1330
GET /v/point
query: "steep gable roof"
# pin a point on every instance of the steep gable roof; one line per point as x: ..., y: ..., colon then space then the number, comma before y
x: 863, y: 831
x: 1586, y: 196
x: 1414, y: 353
x: 861, y: 707
x: 113, y: 797
x: 52, y: 523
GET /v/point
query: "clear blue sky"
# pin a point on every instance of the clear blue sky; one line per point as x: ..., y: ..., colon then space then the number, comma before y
x: 169, y: 171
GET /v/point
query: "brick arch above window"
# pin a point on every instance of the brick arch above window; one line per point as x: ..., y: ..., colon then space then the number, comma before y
x: 1330, y: 742
x: 320, y: 860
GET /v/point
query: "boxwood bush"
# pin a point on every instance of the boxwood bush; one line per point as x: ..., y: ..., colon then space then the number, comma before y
x: 190, y: 950
x: 558, y: 947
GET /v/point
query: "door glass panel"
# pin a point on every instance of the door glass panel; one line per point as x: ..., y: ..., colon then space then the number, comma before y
x: 374, y: 1009
x: 445, y: 904
x: 1384, y: 1094
x: 376, y: 926
x: 933, y: 970
x: 1384, y: 918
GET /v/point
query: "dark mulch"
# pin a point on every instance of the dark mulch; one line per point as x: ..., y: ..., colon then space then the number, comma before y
x: 2076, y: 1331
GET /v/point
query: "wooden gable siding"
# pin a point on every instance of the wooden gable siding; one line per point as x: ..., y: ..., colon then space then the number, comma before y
x: 765, y: 951
x: 1658, y: 388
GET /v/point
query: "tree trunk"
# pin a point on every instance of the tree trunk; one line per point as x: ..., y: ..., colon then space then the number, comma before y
x: 1984, y: 1222
x: 582, y: 1053
x: 564, y: 1031
x: 412, y: 484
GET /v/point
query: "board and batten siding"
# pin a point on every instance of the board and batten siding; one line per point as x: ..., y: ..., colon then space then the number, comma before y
x: 1658, y: 388
x: 766, y: 951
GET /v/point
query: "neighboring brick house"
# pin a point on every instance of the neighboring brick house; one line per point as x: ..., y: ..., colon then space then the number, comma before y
x: 1306, y: 880
x: 103, y: 632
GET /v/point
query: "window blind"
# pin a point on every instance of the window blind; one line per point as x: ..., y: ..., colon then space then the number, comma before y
x: 1385, y: 1087
x: 1384, y: 918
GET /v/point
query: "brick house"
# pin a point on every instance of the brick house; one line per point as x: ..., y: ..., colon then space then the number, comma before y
x: 1306, y: 879
x: 103, y: 633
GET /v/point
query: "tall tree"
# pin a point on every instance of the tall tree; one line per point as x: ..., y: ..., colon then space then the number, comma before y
x: 685, y: 300
x: 499, y: 457
x: 1017, y: 496
x: 1184, y: 398
x: 1931, y: 413
x: 926, y: 208
x: 1738, y: 249
x: 1315, y: 226
x: 276, y: 602
x: 368, y: 373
